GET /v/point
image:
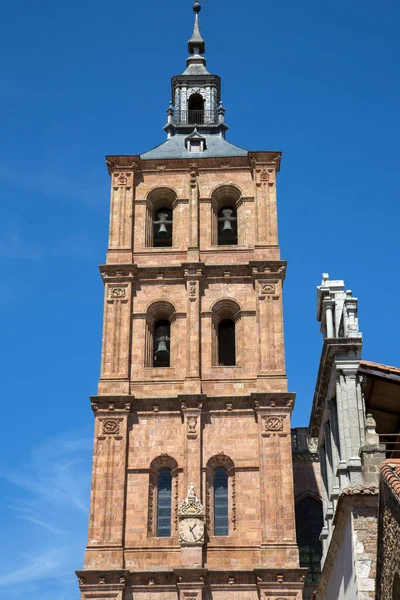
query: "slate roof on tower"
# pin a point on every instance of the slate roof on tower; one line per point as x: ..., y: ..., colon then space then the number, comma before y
x: 196, y: 106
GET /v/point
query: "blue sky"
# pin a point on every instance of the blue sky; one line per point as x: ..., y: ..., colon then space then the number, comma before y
x: 78, y: 80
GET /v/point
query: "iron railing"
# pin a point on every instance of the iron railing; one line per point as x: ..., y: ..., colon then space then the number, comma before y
x: 392, y: 443
x: 195, y: 117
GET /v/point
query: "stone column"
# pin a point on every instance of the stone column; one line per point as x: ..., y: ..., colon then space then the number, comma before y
x: 329, y: 305
x: 107, y: 517
x: 193, y: 274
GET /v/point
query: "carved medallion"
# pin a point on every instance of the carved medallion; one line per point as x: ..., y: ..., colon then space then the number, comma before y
x: 111, y: 426
x: 117, y: 293
x: 274, y: 424
x: 267, y: 288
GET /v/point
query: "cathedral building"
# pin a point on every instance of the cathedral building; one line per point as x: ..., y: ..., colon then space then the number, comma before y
x: 192, y: 487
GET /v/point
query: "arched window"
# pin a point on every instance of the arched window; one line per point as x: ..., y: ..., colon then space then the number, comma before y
x: 221, y: 526
x: 309, y: 522
x: 161, y: 343
x: 226, y: 343
x: 162, y: 228
x: 196, y: 109
x: 164, y: 503
x: 227, y: 226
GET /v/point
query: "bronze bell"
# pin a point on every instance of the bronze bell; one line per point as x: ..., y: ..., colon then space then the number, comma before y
x: 162, y: 230
x: 162, y: 349
x: 227, y: 214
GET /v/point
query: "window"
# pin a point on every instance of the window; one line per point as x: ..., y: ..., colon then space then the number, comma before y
x: 162, y: 228
x: 221, y: 502
x: 162, y: 344
x: 226, y: 343
x: 227, y: 226
x: 309, y: 522
x: 196, y: 109
x: 164, y: 503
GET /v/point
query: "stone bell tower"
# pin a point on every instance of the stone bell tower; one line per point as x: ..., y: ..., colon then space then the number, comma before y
x: 192, y: 487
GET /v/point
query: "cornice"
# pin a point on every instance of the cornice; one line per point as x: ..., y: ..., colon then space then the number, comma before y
x: 256, y: 269
x: 251, y: 161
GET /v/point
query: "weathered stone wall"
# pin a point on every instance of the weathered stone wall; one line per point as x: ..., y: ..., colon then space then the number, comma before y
x: 350, y: 566
x: 388, y: 565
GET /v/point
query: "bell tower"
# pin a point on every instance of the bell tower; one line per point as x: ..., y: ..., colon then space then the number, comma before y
x: 192, y: 486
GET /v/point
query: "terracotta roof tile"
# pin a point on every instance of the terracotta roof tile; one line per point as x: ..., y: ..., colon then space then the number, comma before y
x: 390, y: 472
x: 380, y: 367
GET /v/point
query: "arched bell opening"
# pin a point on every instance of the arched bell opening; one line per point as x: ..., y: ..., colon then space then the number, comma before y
x: 227, y: 226
x: 162, y: 344
x: 226, y: 343
x: 162, y: 228
x: 196, y: 109
x: 160, y: 225
x: 227, y: 215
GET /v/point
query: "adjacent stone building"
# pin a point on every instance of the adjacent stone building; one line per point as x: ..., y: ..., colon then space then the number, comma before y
x: 192, y: 487
x: 388, y: 567
x: 355, y: 418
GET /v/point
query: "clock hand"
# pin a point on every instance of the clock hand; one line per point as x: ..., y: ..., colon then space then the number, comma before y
x: 191, y: 528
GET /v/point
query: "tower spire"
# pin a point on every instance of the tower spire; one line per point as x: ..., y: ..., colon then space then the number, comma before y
x: 196, y: 43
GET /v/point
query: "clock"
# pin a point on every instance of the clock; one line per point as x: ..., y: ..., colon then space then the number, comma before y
x: 191, y: 530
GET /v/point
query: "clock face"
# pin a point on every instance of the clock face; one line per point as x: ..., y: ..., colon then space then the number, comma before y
x: 191, y: 530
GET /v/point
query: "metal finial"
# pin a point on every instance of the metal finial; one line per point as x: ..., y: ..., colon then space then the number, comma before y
x: 196, y: 42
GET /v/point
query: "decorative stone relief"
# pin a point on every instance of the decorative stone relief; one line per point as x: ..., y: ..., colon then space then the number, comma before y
x: 191, y: 505
x: 267, y: 288
x: 176, y: 521
x: 122, y: 179
x: 117, y: 293
x: 110, y: 427
x: 234, y: 501
x: 151, y: 509
x: 264, y: 175
x: 192, y: 424
x: 208, y: 506
x: 274, y: 424
x: 192, y: 290
x: 312, y: 443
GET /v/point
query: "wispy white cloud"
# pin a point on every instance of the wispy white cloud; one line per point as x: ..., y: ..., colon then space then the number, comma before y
x: 54, y: 474
x: 35, y: 567
x: 50, y: 493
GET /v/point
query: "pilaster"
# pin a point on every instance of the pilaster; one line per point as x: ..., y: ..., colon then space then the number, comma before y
x: 278, y: 547
x: 106, y: 523
x: 121, y: 211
